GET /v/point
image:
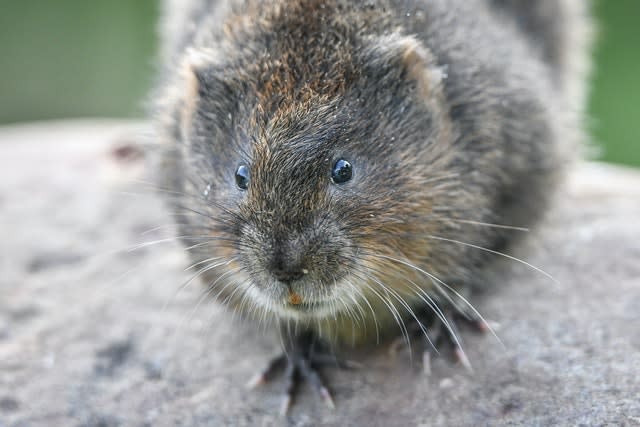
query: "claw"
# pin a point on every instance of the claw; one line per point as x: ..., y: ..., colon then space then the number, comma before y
x: 297, y: 364
x: 274, y: 366
x: 326, y: 396
x: 443, y: 331
x: 426, y: 363
x: 482, y: 326
x: 395, y: 347
x: 285, y: 405
x: 256, y: 381
x: 463, y: 359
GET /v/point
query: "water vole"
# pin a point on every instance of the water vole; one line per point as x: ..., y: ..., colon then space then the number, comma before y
x: 346, y: 166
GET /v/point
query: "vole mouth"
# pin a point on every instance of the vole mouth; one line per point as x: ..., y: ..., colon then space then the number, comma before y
x: 309, y: 309
x: 308, y: 306
x: 292, y: 303
x: 297, y: 302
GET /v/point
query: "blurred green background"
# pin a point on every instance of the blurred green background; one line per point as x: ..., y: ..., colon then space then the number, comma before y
x: 71, y: 58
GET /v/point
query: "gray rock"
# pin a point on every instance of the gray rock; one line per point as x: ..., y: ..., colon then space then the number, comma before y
x: 97, y: 329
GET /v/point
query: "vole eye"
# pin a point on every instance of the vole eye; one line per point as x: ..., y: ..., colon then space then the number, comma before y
x: 242, y: 177
x: 342, y: 172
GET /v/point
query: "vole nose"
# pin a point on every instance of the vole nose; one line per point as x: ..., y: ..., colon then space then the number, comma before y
x: 287, y: 274
x: 287, y: 268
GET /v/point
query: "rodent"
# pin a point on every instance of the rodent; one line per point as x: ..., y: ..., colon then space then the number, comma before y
x: 339, y: 164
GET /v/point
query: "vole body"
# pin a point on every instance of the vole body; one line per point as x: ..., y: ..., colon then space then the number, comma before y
x: 338, y: 165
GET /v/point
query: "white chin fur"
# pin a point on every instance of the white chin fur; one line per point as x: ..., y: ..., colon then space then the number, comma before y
x: 283, y: 310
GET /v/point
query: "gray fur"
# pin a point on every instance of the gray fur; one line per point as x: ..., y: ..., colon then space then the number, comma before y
x: 450, y: 110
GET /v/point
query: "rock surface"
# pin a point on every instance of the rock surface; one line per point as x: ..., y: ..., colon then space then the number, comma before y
x: 96, y: 329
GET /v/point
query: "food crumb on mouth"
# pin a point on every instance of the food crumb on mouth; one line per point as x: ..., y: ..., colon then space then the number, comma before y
x: 294, y: 298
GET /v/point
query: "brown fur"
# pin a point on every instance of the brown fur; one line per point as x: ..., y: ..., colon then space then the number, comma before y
x: 451, y: 113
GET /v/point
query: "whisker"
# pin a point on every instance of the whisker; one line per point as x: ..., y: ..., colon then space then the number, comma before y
x: 158, y: 228
x: 243, y: 298
x: 486, y: 224
x: 456, y: 293
x: 190, y: 280
x: 188, y: 316
x: 156, y: 242
x: 544, y: 273
x: 392, y: 308
x: 373, y: 314
x: 358, y: 307
x: 435, y: 308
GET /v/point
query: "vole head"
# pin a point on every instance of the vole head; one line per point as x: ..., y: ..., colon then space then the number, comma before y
x: 307, y: 161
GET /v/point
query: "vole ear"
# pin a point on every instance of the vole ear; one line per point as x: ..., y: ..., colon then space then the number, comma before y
x: 387, y: 52
x: 192, y: 73
x: 193, y: 76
